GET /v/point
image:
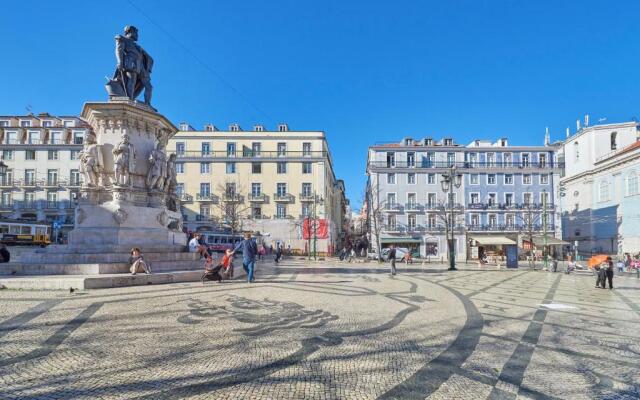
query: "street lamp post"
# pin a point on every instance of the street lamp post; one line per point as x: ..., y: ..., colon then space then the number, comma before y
x: 449, y: 181
x: 316, y: 200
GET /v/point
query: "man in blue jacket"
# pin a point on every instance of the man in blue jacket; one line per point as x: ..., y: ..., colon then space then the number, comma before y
x: 249, y: 251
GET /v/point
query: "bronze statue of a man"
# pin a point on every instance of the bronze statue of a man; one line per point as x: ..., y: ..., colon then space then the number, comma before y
x: 133, y: 71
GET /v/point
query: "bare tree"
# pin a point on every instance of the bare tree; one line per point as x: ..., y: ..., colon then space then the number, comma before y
x: 231, y: 205
x: 375, y: 215
x: 531, y: 219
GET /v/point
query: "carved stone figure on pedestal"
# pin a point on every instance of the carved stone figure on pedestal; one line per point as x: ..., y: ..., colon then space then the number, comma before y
x: 157, y: 169
x: 91, y: 162
x: 171, y: 183
x: 133, y: 71
x: 124, y: 161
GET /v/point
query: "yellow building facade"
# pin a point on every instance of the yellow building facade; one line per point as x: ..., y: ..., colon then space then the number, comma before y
x: 262, y: 181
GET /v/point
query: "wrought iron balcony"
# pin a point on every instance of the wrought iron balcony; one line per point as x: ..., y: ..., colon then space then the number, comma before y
x: 258, y: 198
x: 186, y: 198
x: 283, y: 197
x: 6, y: 182
x: 466, y: 165
x: 250, y: 154
x: 207, y: 197
x: 283, y: 217
x: 413, y: 207
x: 232, y: 198
x: 509, y: 206
x: 307, y: 197
x: 393, y: 207
x: 6, y: 205
x: 205, y: 218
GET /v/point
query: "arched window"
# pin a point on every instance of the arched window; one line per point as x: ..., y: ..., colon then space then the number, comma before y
x: 576, y: 150
x: 603, y: 191
x: 614, y: 142
x: 632, y: 184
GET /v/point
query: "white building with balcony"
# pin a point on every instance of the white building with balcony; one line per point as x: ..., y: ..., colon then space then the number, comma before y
x: 43, y: 177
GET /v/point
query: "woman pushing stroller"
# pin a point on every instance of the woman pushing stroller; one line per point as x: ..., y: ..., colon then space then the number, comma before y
x: 215, y: 273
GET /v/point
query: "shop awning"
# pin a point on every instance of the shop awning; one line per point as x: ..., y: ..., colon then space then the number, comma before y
x: 551, y: 241
x: 399, y: 239
x: 492, y: 239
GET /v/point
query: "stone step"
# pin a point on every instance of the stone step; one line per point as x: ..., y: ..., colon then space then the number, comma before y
x: 91, y: 258
x: 82, y: 282
x: 21, y: 269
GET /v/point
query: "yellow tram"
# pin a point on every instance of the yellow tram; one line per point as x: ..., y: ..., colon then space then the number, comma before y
x: 24, y: 233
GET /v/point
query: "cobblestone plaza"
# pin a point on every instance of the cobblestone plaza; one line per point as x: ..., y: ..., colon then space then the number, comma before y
x: 328, y: 332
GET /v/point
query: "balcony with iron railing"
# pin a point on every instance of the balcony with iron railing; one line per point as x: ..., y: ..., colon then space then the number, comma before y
x: 28, y: 183
x: 207, y: 197
x: 467, y: 165
x: 224, y: 155
x: 509, y: 206
x: 6, y: 181
x: 283, y: 197
x: 401, y: 228
x: 509, y: 227
x: 258, y: 198
x: 185, y: 198
x: 283, y: 217
x: 307, y: 197
x: 6, y: 205
x: 205, y: 218
x: 230, y: 197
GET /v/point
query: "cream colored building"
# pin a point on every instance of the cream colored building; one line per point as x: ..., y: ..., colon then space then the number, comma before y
x: 41, y: 152
x: 276, y: 179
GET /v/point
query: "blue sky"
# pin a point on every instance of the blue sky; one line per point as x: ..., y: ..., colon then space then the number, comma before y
x: 362, y: 71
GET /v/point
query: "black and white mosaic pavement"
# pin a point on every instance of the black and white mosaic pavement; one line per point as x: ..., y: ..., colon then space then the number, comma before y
x: 328, y: 332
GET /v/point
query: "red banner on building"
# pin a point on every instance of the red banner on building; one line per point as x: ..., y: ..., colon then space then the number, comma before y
x: 318, y: 228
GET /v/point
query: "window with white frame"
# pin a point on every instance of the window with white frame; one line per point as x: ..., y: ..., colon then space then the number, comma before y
x: 306, y: 209
x: 431, y: 179
x: 256, y: 168
x: 431, y: 220
x: 508, y: 179
x: 306, y: 148
x: 544, y: 198
x: 508, y: 199
x: 473, y: 159
x: 527, y: 198
x: 491, y: 179
x: 451, y: 159
x: 542, y: 160
x: 411, y: 201
x: 632, y: 183
x: 256, y: 189
x: 432, y: 200
x: 526, y: 179
x: 180, y: 148
x: 282, y: 167
x: 52, y: 155
x: 7, y: 154
x: 34, y: 137
x: 205, y: 189
x: 391, y: 159
x: 526, y: 159
x: 493, y: 220
x: 474, y: 179
x: 510, y: 220
x: 391, y: 199
x: 179, y: 168
x: 25, y: 123
x: 231, y: 149
x: 507, y: 159
x: 391, y: 221
x: 603, y: 191
x: 411, y: 178
x: 475, y: 220
x: 492, y: 199
x: 544, y: 179
x: 411, y: 221
x: 205, y: 148
x: 205, y: 168
x: 411, y: 159
x: 306, y: 189
x: 256, y: 149
x: 281, y: 189
x: 391, y: 179
x: 230, y: 168
x: 491, y: 160
x: 281, y: 211
x: 474, y: 198
x: 306, y: 167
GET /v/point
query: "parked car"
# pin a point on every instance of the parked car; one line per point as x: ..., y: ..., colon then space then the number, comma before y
x: 400, y: 253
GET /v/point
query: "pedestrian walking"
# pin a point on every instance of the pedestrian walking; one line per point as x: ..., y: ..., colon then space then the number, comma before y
x: 600, y: 276
x: 278, y: 253
x: 609, y: 273
x: 392, y: 259
x: 249, y: 250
